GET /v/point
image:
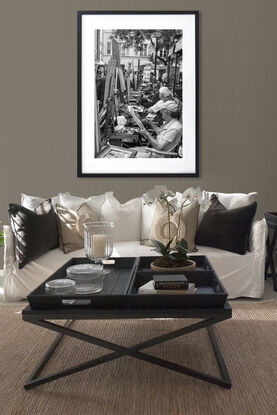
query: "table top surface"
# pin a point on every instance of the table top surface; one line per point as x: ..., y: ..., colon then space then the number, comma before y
x: 125, y: 313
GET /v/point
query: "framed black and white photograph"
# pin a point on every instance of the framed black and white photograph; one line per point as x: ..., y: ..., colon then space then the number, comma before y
x: 137, y: 93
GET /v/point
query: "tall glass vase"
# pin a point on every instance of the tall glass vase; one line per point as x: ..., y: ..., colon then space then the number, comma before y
x: 98, y: 241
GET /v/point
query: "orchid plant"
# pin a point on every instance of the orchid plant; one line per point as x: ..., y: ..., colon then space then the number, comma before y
x: 177, y: 253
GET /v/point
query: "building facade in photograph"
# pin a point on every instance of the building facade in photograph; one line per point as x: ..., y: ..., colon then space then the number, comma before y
x: 127, y: 54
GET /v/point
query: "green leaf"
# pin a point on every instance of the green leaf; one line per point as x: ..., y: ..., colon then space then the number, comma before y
x: 168, y: 244
x: 158, y: 244
x: 183, y: 243
x: 161, y: 247
x: 183, y: 250
x: 176, y: 257
x: 156, y: 250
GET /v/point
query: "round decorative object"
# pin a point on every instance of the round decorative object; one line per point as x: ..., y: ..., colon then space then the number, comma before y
x: 88, y: 278
x: 163, y: 227
x: 82, y: 271
x: 191, y: 266
x: 60, y: 286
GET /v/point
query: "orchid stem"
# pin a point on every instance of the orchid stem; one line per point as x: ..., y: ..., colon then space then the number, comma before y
x: 179, y: 220
x: 168, y: 217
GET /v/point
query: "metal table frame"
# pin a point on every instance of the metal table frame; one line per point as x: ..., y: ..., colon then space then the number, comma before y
x: 209, y: 317
x: 270, y: 245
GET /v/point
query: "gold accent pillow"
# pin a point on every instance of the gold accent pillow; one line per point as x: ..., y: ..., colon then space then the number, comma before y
x: 187, y: 228
x: 71, y: 226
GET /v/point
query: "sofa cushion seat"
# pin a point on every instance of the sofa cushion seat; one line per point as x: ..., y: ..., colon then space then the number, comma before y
x: 235, y: 271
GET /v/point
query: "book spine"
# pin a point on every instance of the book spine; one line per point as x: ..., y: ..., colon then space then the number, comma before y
x: 164, y: 285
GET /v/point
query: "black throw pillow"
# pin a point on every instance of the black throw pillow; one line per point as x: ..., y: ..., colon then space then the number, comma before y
x: 35, y: 232
x: 226, y: 229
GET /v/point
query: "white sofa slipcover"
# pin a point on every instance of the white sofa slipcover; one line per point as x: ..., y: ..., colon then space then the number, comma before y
x: 242, y: 275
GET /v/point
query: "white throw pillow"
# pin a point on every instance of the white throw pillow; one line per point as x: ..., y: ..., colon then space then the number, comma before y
x: 126, y: 217
x: 31, y: 202
x: 147, y: 215
x: 74, y: 202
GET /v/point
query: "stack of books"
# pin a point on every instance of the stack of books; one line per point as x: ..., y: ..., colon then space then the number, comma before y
x: 168, y: 284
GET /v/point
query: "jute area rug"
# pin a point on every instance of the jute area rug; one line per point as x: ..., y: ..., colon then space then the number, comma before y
x: 128, y: 386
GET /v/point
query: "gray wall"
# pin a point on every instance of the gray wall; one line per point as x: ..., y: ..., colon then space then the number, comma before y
x: 238, y: 128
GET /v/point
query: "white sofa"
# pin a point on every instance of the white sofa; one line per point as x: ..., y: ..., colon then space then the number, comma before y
x: 242, y: 275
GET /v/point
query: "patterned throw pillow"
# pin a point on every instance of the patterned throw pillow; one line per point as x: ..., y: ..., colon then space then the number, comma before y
x: 187, y: 224
x: 71, y: 226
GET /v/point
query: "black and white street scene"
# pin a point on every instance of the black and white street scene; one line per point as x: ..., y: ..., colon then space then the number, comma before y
x: 138, y: 93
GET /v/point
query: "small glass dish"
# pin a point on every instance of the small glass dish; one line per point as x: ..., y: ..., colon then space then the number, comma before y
x: 60, y: 286
x: 88, y: 278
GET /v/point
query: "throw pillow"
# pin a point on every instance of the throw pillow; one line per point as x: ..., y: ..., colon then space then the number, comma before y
x: 31, y: 202
x: 74, y: 202
x: 126, y: 217
x: 232, y: 200
x: 71, y: 226
x: 226, y: 229
x: 35, y: 232
x: 147, y: 215
x: 187, y: 224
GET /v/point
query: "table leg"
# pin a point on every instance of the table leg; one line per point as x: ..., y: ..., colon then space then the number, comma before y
x: 134, y: 351
x: 269, y: 260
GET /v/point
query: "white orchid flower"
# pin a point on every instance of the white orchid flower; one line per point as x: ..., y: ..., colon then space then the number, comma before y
x: 192, y: 194
x: 173, y: 204
x: 159, y: 189
x: 162, y: 192
x: 149, y: 197
x: 198, y: 194
x: 188, y: 194
x: 206, y: 202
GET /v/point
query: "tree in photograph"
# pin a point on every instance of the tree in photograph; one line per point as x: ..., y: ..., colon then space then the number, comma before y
x: 160, y: 39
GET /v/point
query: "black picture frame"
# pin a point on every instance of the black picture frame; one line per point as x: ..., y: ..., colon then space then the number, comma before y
x: 80, y: 106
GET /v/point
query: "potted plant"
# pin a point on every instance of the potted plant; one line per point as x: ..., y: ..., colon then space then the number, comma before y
x: 174, y: 254
x: 174, y: 258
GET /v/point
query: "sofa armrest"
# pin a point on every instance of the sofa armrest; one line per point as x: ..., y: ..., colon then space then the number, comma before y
x: 257, y: 240
x: 9, y: 255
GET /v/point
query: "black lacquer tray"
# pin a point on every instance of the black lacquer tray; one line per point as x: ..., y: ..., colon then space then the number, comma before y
x: 121, y: 288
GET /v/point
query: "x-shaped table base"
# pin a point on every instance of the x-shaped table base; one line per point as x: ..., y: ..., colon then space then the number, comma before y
x: 134, y: 351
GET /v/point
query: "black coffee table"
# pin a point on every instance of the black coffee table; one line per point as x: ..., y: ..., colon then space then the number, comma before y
x: 207, y: 288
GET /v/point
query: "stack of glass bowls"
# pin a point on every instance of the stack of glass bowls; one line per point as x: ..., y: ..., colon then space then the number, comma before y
x: 88, y: 278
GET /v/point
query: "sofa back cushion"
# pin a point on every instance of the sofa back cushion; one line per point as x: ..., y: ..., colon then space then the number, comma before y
x: 126, y: 217
x: 35, y: 232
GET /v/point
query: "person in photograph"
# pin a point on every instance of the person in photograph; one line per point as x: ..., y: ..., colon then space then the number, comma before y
x: 168, y: 135
x: 151, y: 96
x: 164, y: 78
x: 152, y: 78
x: 171, y: 130
x: 165, y: 95
x: 100, y: 89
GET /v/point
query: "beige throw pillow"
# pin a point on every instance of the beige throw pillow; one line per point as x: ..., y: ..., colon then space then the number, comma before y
x: 71, y: 226
x: 187, y: 228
